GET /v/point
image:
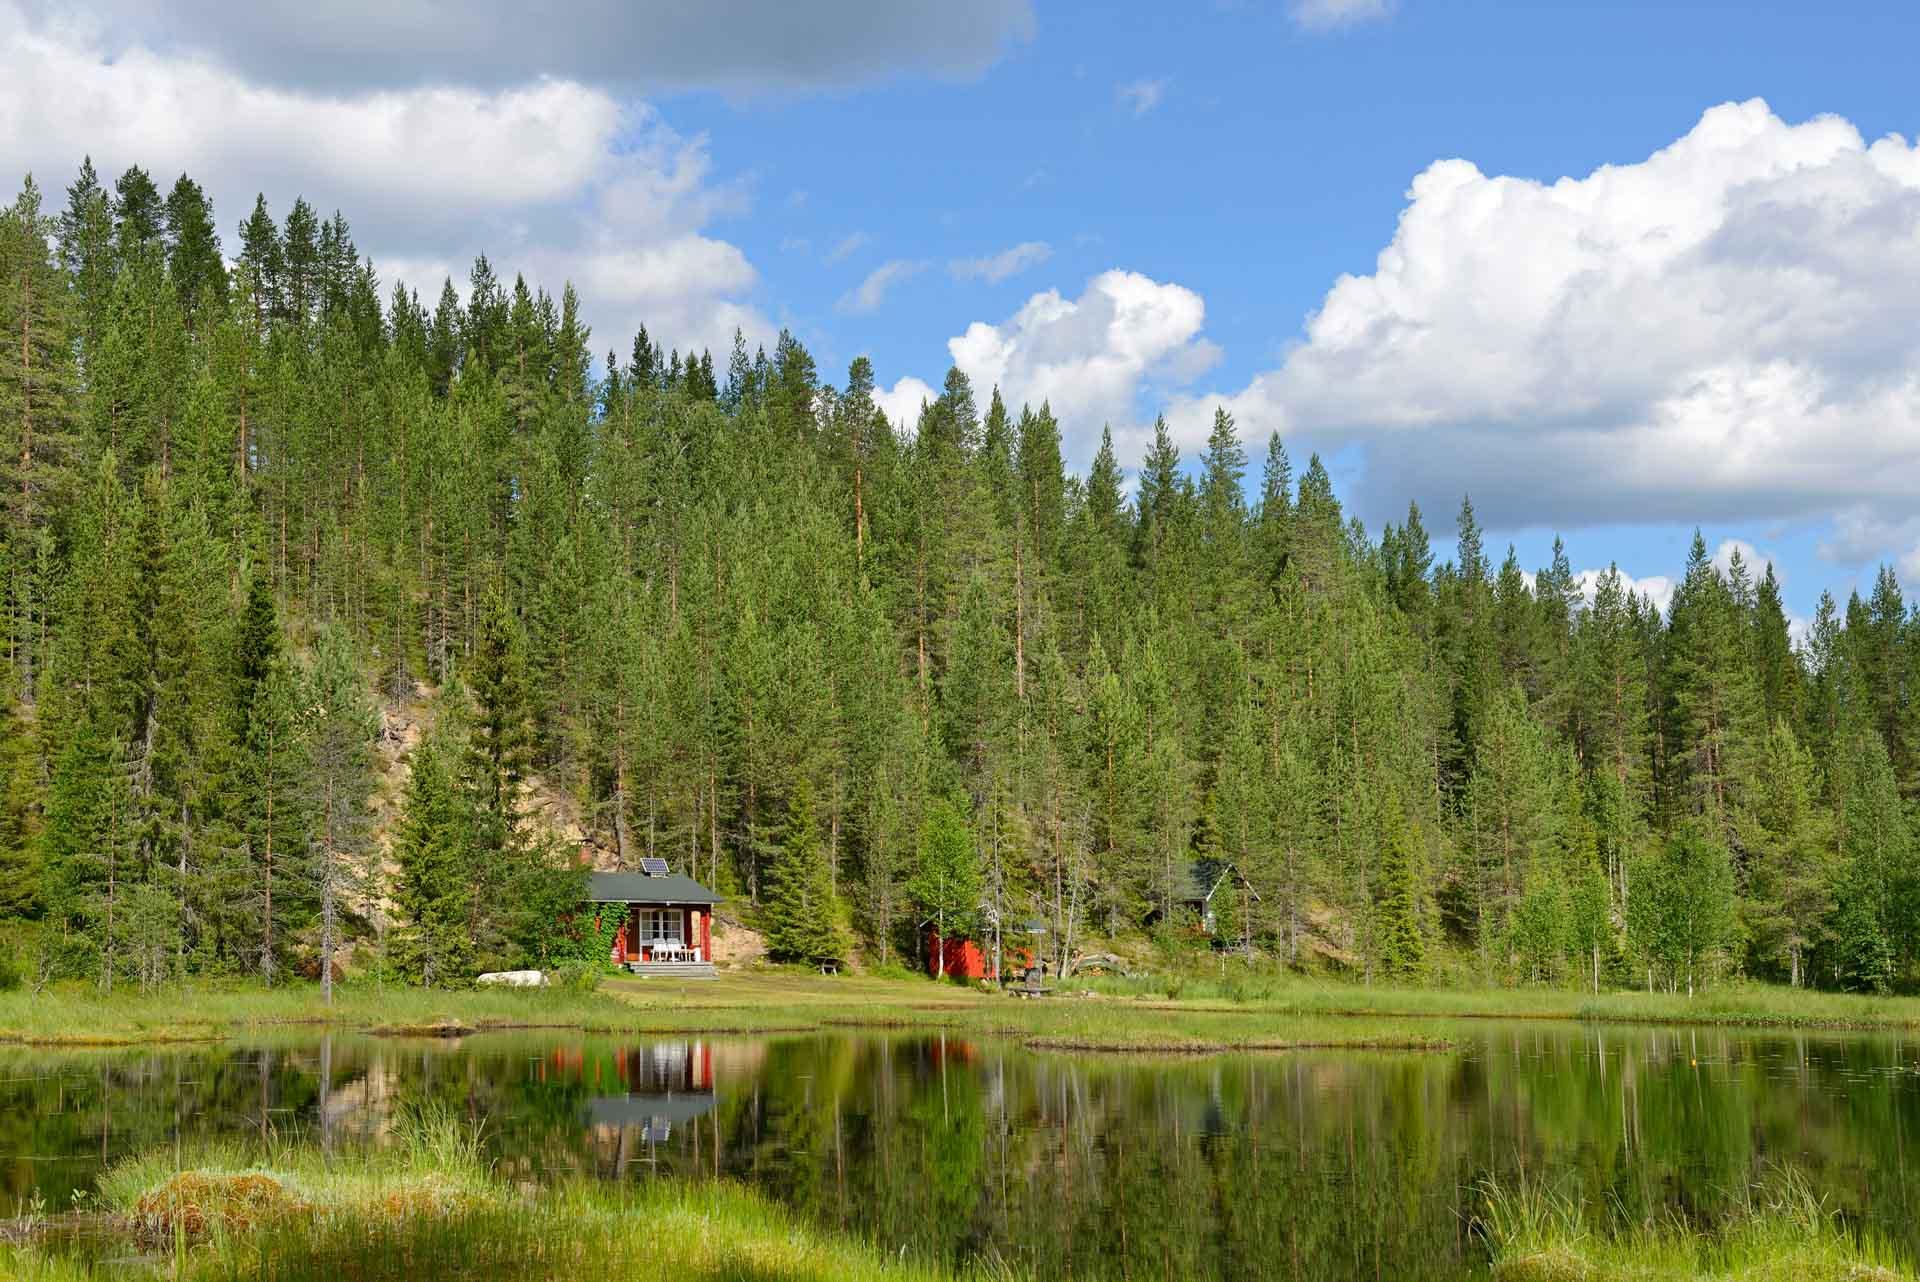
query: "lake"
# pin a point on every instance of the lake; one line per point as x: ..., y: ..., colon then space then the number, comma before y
x: 1322, y: 1164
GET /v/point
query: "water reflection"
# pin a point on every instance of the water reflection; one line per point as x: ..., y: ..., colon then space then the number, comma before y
x: 1322, y: 1165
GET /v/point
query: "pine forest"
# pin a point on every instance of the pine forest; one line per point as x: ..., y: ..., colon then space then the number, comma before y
x: 339, y: 625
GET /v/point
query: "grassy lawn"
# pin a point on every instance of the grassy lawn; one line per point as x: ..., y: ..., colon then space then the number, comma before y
x: 1246, y: 1011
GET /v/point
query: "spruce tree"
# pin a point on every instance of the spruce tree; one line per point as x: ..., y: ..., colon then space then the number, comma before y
x: 1399, y: 933
x: 802, y: 914
x: 436, y: 850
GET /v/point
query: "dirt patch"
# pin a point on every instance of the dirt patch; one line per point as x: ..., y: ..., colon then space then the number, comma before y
x: 734, y: 946
x: 194, y: 1202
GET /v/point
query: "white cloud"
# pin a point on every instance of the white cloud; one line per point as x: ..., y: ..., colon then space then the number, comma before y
x: 901, y: 403
x: 1096, y: 358
x: 1330, y: 15
x: 994, y: 268
x: 847, y: 247
x: 871, y: 292
x: 1141, y: 96
x: 1729, y: 329
x: 553, y: 178
x: 1656, y: 587
x: 1755, y: 560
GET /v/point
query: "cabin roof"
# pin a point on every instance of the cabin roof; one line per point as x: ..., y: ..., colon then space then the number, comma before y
x: 638, y: 888
x: 1204, y: 876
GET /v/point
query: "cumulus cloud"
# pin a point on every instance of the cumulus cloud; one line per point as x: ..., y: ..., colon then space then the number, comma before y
x: 740, y: 46
x: 1330, y: 15
x: 554, y: 178
x: 994, y: 268
x: 1097, y: 358
x: 1141, y: 96
x: 901, y: 403
x: 1729, y: 329
x: 871, y: 292
x: 1657, y: 588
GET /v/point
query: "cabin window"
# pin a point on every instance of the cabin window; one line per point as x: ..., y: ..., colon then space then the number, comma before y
x: 660, y: 924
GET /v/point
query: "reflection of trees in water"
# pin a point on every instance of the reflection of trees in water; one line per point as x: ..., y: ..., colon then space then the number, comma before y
x: 1314, y: 1164
x: 1310, y: 1165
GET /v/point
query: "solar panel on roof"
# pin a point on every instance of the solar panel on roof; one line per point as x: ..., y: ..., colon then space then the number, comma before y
x: 653, y: 867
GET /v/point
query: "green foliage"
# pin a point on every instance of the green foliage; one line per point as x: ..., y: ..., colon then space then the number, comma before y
x: 1399, y: 930
x: 435, y: 849
x: 803, y: 922
x: 1682, y: 917
x: 946, y: 881
x: 651, y: 607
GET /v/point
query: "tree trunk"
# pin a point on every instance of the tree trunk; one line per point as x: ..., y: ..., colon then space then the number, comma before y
x: 327, y: 909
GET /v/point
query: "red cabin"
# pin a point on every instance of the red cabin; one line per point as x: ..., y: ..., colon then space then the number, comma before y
x: 666, y: 925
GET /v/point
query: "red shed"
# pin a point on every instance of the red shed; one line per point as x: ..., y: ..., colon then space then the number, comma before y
x: 961, y: 956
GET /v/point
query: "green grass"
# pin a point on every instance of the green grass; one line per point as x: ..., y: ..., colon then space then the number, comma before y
x: 1781, y: 1232
x: 1237, y: 1008
x: 78, y: 1014
x: 1743, y: 1004
x: 429, y: 1208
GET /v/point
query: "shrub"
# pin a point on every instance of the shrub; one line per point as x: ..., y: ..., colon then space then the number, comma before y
x: 577, y: 976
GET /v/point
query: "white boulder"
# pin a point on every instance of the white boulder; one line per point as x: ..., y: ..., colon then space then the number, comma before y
x: 514, y: 978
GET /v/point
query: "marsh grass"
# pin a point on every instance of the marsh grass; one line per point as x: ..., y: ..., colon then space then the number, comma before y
x: 429, y: 1207
x: 1779, y: 1230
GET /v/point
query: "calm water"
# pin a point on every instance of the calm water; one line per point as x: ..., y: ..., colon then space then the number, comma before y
x: 1314, y: 1165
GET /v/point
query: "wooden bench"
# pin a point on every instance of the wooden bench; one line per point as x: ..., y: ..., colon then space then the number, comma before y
x: 829, y: 968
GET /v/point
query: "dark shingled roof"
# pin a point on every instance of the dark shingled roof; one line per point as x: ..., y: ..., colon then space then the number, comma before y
x: 638, y: 888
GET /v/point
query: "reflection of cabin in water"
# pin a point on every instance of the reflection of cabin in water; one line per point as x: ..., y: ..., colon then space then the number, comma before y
x: 667, y: 920
x: 668, y: 1084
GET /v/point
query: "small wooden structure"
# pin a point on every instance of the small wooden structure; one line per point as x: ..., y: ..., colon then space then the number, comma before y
x: 666, y: 920
x: 1198, y: 885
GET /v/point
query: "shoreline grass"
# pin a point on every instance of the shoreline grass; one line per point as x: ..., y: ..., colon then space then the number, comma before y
x: 1781, y: 1231
x: 1191, y: 1014
x: 431, y: 1206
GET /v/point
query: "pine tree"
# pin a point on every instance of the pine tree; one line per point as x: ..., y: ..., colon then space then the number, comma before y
x: 436, y: 850
x: 138, y: 214
x: 193, y: 253
x: 264, y: 259
x: 39, y: 413
x: 802, y: 913
x: 1398, y: 932
x: 283, y: 885
x: 1790, y: 857
x: 341, y: 727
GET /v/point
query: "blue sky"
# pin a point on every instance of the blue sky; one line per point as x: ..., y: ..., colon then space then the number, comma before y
x: 1137, y: 208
